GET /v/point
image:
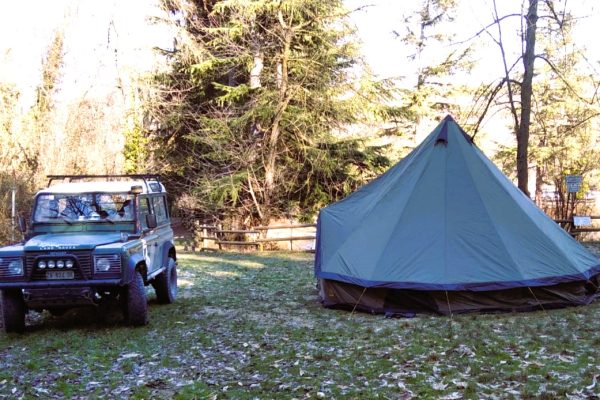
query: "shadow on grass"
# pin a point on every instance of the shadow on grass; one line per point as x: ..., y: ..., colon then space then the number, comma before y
x: 199, y: 273
x: 106, y: 315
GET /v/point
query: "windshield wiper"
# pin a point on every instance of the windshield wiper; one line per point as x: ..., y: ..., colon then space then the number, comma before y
x: 108, y: 220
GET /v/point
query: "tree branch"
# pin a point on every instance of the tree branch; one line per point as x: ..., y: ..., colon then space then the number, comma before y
x: 493, y: 94
x: 563, y: 79
x: 513, y: 109
x: 485, y: 28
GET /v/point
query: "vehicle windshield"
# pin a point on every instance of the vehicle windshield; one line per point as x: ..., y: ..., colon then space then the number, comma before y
x: 69, y: 208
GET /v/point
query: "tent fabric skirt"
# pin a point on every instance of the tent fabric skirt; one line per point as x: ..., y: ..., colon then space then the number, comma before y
x: 407, y: 302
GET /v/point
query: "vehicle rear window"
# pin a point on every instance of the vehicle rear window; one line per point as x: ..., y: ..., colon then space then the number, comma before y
x: 160, y: 208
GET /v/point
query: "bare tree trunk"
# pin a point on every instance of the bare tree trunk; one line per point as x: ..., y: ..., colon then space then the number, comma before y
x: 539, y: 175
x: 526, y: 93
x: 507, y: 79
x: 275, y: 131
x: 257, y: 68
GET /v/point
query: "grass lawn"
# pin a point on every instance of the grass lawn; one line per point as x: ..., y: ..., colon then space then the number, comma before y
x: 250, y: 326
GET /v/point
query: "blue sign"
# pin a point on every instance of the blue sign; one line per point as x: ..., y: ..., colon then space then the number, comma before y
x: 573, y: 183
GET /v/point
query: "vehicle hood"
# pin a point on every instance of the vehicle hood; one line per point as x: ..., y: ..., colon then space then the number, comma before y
x: 70, y: 241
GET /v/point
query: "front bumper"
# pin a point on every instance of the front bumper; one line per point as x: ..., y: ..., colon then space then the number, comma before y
x: 62, y: 284
x: 59, y: 297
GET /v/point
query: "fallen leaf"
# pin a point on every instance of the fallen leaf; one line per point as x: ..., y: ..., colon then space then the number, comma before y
x: 128, y: 355
x: 590, y: 387
x: 452, y: 396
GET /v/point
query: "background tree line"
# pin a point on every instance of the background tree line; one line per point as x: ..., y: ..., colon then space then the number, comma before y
x: 267, y: 110
x: 51, y: 135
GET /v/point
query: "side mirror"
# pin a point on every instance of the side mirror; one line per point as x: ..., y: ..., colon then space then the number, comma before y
x: 22, y: 222
x: 151, y: 221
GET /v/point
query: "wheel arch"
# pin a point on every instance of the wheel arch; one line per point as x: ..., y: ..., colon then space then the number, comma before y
x: 136, y: 263
x: 168, y: 252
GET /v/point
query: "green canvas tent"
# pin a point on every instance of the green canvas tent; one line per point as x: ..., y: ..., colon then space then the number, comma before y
x: 445, y: 231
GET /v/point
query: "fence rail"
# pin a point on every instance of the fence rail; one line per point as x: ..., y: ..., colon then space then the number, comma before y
x: 212, y: 237
x: 568, y: 224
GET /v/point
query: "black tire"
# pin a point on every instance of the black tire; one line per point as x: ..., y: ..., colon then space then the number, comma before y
x: 13, y: 311
x: 135, y: 302
x: 165, y: 284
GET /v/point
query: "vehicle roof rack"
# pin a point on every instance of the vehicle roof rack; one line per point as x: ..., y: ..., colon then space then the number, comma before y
x: 73, y: 178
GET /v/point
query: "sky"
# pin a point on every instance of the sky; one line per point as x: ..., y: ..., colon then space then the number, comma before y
x: 103, y: 37
x: 376, y: 20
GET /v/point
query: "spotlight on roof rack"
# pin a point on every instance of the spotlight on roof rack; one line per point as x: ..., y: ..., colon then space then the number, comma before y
x: 136, y: 189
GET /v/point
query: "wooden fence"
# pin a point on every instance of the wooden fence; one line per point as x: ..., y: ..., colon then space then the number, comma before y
x: 210, y: 237
x: 569, y: 225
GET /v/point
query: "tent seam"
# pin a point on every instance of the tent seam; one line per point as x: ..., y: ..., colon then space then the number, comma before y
x: 485, y: 206
x: 529, y: 217
x: 373, y: 204
x: 446, y: 212
x: 403, y: 211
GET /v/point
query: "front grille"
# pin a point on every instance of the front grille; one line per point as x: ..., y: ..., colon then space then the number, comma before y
x: 83, y: 263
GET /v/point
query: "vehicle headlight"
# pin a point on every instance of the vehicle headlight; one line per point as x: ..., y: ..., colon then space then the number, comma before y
x: 51, y: 264
x: 69, y: 263
x: 42, y: 265
x: 102, y: 264
x: 15, y: 267
x: 60, y: 264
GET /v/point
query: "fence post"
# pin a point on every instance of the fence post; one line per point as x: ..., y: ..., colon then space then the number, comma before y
x: 194, y: 240
x: 261, y: 235
x: 219, y: 228
x: 204, y: 238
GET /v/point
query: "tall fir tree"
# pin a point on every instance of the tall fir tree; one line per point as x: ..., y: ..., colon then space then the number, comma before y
x: 245, y: 118
x: 436, y: 59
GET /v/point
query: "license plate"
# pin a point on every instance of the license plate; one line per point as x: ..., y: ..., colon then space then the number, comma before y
x: 60, y: 274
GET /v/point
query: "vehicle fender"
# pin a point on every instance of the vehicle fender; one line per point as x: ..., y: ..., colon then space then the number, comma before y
x: 166, y: 249
x: 132, y: 262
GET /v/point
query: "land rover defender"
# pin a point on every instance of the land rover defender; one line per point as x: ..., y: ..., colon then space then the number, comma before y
x: 91, y: 238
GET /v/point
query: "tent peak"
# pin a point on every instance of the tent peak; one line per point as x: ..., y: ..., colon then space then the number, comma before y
x: 442, y: 136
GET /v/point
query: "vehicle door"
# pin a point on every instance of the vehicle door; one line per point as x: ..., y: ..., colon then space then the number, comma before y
x: 150, y: 237
x: 163, y: 229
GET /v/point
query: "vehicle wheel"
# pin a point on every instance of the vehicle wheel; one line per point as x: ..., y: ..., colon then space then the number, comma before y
x: 165, y: 284
x: 13, y: 311
x: 135, y: 302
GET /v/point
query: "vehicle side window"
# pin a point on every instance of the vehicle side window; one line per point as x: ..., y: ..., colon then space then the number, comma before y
x: 144, y: 209
x: 160, y: 209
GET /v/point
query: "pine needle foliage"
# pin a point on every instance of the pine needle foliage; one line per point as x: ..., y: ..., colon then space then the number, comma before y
x: 251, y: 120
